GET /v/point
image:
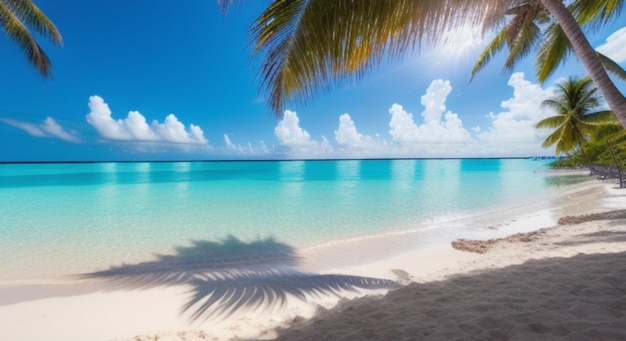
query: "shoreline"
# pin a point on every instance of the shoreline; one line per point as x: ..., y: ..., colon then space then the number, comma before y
x: 566, y: 282
x: 484, y: 223
x: 114, y: 314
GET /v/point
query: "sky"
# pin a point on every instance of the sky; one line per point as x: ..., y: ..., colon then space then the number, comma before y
x: 145, y: 80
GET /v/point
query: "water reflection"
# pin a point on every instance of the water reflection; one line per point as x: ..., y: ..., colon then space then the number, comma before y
x: 441, y: 184
x: 348, y: 173
x: 403, y: 175
x: 182, y: 178
x: 141, y: 187
x: 291, y: 178
x: 142, y: 172
x: 109, y: 172
x: 107, y: 193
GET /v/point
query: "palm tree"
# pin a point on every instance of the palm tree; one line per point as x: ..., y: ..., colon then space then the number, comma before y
x: 575, y: 121
x: 520, y: 34
x: 309, y: 44
x: 16, y: 17
x: 523, y: 32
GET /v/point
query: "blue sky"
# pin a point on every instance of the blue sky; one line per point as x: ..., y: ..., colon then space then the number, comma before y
x: 144, y: 80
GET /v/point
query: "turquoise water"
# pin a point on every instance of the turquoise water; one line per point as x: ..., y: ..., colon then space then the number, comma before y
x: 59, y: 218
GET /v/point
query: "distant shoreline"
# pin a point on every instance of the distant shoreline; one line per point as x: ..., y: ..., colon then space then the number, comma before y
x: 279, y: 160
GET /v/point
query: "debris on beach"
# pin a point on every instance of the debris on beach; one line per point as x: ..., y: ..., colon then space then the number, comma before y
x: 573, y: 220
x: 482, y: 246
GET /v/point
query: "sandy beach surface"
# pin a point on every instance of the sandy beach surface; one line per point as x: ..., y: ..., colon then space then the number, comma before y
x: 545, y: 281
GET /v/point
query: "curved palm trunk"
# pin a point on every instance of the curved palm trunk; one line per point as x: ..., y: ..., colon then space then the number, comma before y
x: 617, y: 163
x: 589, y: 58
x: 581, y: 142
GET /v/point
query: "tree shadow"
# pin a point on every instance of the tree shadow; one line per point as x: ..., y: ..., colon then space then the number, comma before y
x: 578, y: 298
x: 597, y: 237
x: 231, y: 275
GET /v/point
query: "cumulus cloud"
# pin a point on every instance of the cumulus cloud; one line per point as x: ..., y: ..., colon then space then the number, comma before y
x: 436, y: 132
x: 439, y: 125
x: 514, y: 129
x: 348, y: 138
x: 354, y: 144
x: 49, y: 128
x: 296, y: 142
x: 135, y: 127
x: 614, y: 46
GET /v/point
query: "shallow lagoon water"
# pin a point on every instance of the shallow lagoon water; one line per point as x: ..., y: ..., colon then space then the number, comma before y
x: 71, y: 218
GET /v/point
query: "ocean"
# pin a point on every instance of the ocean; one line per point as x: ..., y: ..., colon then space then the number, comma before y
x: 68, y: 218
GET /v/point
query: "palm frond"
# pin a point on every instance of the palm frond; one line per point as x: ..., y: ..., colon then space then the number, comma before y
x: 604, y: 117
x: 553, y: 51
x: 524, y: 43
x: 576, y: 124
x: 551, y: 122
x: 494, y: 19
x: 490, y: 51
x: 555, y: 138
x: 612, y: 67
x: 553, y: 103
x: 596, y: 13
x: 31, y: 16
x: 15, y: 16
x: 307, y: 45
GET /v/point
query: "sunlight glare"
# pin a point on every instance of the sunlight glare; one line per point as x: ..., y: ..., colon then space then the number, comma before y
x: 459, y: 43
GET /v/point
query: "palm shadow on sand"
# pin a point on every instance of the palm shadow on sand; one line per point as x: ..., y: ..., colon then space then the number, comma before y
x: 231, y: 275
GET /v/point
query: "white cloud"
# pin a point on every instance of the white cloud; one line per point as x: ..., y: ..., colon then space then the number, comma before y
x: 354, y: 144
x: 439, y: 132
x: 614, y: 47
x: 439, y: 126
x: 135, y: 127
x: 248, y: 149
x: 288, y: 130
x: 49, y: 128
x: 296, y: 142
x: 514, y: 130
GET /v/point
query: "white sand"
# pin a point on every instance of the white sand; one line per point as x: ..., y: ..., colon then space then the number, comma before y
x: 568, y: 283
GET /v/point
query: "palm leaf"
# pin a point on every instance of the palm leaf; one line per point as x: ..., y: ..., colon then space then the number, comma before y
x: 524, y: 43
x: 576, y: 124
x: 552, y: 52
x: 596, y: 13
x: 15, y: 15
x: 600, y: 118
x: 553, y: 103
x: 612, y: 67
x: 490, y: 51
x: 553, y: 138
x: 307, y: 45
x: 551, y: 122
x: 30, y: 15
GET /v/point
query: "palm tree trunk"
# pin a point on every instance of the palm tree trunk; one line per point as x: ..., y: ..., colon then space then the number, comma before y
x: 581, y: 142
x: 589, y: 58
x: 609, y: 141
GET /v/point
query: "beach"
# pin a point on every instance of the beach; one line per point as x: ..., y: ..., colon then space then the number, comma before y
x: 550, y: 281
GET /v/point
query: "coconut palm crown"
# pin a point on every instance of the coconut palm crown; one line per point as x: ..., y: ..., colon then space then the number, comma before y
x: 577, y: 118
x: 20, y: 19
x: 523, y: 32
